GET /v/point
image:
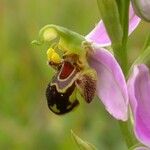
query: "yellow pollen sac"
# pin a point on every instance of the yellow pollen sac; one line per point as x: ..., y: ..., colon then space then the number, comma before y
x: 49, y: 52
x: 53, y: 56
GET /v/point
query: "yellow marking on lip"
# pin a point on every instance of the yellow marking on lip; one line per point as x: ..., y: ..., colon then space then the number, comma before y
x: 69, y: 106
x: 54, y: 108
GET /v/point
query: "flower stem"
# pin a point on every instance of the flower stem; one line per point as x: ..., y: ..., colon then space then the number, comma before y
x: 117, y: 11
x: 127, y: 133
x: 121, y: 55
x: 123, y: 60
x: 122, y: 51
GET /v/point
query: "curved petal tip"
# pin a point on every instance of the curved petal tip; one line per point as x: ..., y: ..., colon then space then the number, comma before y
x: 139, y: 96
x: 99, y: 34
x: 111, y: 84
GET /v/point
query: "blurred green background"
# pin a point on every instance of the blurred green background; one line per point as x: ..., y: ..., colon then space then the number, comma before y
x: 25, y: 120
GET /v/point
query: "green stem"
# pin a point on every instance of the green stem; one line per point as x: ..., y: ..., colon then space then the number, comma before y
x: 127, y: 133
x: 121, y: 54
x: 123, y: 49
x: 117, y: 11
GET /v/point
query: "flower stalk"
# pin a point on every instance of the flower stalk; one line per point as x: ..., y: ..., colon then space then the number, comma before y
x: 121, y: 54
x: 120, y: 10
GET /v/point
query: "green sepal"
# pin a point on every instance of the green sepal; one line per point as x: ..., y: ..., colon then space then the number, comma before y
x: 67, y: 40
x: 82, y: 145
x: 144, y: 57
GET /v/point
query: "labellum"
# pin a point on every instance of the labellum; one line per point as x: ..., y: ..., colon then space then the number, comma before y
x: 61, y: 92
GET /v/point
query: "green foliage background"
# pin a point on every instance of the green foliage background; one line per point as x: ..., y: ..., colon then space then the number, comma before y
x: 25, y: 120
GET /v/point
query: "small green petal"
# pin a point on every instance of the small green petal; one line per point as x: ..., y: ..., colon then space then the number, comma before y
x: 82, y: 145
x: 67, y: 40
x: 35, y: 42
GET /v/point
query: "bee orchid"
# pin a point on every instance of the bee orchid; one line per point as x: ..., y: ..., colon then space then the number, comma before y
x: 67, y: 54
x: 83, y: 66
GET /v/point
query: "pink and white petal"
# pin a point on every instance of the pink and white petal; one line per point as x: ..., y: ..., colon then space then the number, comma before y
x: 134, y: 20
x: 111, y: 84
x: 99, y: 34
x: 139, y: 82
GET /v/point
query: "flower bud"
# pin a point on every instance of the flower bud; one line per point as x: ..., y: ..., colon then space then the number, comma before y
x: 142, y: 9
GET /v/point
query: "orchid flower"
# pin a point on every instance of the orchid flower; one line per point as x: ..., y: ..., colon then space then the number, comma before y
x: 139, y: 96
x: 84, y: 66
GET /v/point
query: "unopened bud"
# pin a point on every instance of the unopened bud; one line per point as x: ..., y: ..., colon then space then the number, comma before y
x: 142, y: 9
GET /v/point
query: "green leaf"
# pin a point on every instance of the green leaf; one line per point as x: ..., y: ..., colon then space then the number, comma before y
x: 143, y: 58
x: 115, y: 17
x: 120, y: 7
x: 82, y: 145
x: 138, y: 146
x: 147, y: 42
x: 110, y: 16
